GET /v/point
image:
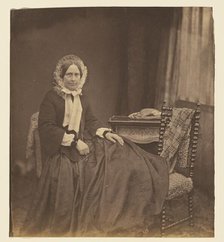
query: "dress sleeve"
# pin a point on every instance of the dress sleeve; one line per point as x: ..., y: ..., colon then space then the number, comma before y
x: 92, y: 124
x: 51, y: 135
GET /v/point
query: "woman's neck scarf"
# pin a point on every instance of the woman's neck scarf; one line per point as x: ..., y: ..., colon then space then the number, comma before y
x: 73, y: 109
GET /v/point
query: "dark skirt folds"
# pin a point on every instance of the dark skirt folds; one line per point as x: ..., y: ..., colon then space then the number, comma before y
x: 114, y: 188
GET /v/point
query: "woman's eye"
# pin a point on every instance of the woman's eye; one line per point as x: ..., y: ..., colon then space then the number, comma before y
x: 69, y: 75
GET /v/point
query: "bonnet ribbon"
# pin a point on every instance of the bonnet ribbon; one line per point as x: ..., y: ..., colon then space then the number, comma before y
x: 73, y: 109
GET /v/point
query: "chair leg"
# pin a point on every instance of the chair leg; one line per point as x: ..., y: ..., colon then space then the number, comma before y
x: 163, y: 221
x: 190, y: 209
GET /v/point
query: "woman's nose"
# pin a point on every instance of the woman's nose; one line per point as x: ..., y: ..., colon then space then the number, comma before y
x: 73, y: 78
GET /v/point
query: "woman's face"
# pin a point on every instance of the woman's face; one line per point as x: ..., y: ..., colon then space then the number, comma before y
x: 72, y: 78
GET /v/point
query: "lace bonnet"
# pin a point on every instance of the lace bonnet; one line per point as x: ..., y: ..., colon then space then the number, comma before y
x: 70, y: 59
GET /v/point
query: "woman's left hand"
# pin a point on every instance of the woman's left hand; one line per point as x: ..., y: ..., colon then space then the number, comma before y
x: 114, y: 138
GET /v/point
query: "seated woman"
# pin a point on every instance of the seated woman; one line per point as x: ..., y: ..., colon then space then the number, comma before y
x: 93, y: 181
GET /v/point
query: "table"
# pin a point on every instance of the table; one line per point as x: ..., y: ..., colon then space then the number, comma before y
x: 140, y: 131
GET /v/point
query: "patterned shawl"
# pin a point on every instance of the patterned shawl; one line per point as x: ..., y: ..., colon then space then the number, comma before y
x: 177, y: 138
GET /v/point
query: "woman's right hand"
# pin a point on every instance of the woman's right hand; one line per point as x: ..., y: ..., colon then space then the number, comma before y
x: 82, y: 147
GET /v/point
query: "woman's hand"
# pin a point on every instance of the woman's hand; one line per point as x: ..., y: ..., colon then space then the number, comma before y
x: 82, y: 147
x: 114, y: 138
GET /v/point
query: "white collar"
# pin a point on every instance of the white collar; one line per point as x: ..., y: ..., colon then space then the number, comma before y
x: 74, y: 93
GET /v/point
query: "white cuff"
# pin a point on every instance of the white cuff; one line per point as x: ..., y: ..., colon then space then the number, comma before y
x: 100, y: 131
x: 67, y: 139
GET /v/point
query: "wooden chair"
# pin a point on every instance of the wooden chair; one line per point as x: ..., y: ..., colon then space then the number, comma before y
x: 33, y: 147
x: 179, y: 185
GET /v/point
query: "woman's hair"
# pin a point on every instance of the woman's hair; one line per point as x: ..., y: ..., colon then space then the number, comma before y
x: 63, y: 65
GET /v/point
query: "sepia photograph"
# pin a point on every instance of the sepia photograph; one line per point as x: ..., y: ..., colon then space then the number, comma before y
x: 112, y: 122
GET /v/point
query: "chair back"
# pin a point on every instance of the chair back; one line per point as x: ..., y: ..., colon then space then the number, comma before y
x: 33, y: 147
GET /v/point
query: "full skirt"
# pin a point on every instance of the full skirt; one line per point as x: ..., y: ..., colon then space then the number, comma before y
x: 114, y: 188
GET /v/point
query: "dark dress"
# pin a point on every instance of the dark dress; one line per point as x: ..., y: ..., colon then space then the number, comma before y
x: 113, y: 188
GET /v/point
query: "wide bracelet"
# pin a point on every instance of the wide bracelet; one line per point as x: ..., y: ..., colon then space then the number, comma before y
x: 105, y: 132
x: 75, y: 139
x: 74, y: 142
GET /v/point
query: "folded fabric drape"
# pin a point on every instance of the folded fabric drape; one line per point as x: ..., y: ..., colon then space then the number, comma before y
x: 177, y: 138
